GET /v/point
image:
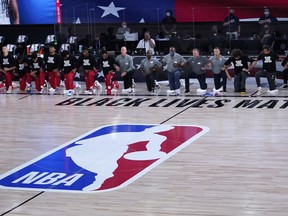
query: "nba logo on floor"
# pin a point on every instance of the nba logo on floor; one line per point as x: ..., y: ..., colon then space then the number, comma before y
x: 107, y: 158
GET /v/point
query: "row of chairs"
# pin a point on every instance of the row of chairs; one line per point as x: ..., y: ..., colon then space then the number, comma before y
x: 22, y: 47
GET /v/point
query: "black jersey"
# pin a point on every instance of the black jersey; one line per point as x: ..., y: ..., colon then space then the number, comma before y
x: 51, y: 62
x: 107, y: 64
x: 7, y: 61
x: 36, y: 65
x: 239, y: 64
x: 67, y: 65
x: 269, y: 61
x: 87, y: 62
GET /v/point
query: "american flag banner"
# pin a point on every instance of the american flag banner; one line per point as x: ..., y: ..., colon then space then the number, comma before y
x: 150, y: 11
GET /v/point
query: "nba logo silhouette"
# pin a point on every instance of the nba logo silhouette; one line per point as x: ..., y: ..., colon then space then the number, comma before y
x: 106, y: 158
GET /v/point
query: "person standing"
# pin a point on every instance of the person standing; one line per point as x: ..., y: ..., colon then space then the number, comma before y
x: 89, y: 65
x: 107, y: 65
x: 7, y: 66
x: 168, y: 23
x: 51, y: 62
x: 124, y: 64
x: 147, y: 43
x: 198, y: 64
x: 148, y: 67
x: 232, y: 25
x: 241, y: 69
x: 268, y: 19
x: 268, y: 59
x: 174, y: 62
x: 217, y: 63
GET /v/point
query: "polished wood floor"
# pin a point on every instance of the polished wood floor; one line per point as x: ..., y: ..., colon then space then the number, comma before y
x: 238, y: 168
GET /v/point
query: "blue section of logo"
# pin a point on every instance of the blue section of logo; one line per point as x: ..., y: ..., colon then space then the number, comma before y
x: 55, y: 170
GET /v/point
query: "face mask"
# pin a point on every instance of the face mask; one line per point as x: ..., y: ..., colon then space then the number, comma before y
x: 124, y: 26
x: 168, y: 14
x: 266, y: 13
x: 171, y: 53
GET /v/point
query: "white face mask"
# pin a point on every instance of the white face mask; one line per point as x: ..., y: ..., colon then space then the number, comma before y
x: 168, y: 14
x: 124, y: 26
x: 266, y: 13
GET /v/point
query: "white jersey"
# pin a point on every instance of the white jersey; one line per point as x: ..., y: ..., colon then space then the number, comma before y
x: 4, y: 12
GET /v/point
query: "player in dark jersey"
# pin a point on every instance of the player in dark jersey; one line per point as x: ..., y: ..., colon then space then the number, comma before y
x: 51, y: 61
x: 68, y: 67
x: 89, y: 65
x: 268, y: 59
x: 241, y: 69
x: 107, y: 65
x: 22, y: 71
x: 7, y: 66
x: 36, y: 65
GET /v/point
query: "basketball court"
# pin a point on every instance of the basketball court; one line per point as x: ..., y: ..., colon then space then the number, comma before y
x: 238, y: 167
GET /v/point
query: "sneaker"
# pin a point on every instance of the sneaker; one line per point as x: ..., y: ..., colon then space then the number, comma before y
x: 170, y: 92
x: 62, y: 84
x: 157, y: 86
x: 182, y: 83
x: 284, y: 86
x: 187, y: 91
x: 199, y: 90
x: 259, y: 92
x: 2, y: 85
x: 15, y: 85
x: 51, y: 90
x: 42, y: 90
x: 177, y: 91
x: 9, y: 91
x: 115, y: 85
x: 70, y: 93
x: 133, y: 83
x: 88, y: 92
x: 114, y: 90
x: 97, y: 85
x: 220, y: 89
x: 272, y: 92
x: 28, y: 88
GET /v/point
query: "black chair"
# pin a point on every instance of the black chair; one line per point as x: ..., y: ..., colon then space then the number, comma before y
x: 21, y: 44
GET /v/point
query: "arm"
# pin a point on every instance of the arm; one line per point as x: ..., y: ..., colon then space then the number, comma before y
x: 15, y: 11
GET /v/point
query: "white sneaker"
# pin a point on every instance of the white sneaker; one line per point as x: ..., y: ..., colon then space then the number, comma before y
x: 182, y: 83
x: 259, y: 92
x: 77, y: 85
x: 15, y: 85
x: 114, y: 90
x: 272, y: 92
x: 170, y: 92
x: 9, y: 91
x: 157, y: 86
x: 199, y: 90
x: 62, y: 84
x: 70, y: 93
x: 133, y: 84
x: 89, y: 92
x: 97, y: 85
x: 220, y: 89
x: 51, y: 90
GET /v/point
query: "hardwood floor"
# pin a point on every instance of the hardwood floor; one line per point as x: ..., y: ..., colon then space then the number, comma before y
x: 238, y: 168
